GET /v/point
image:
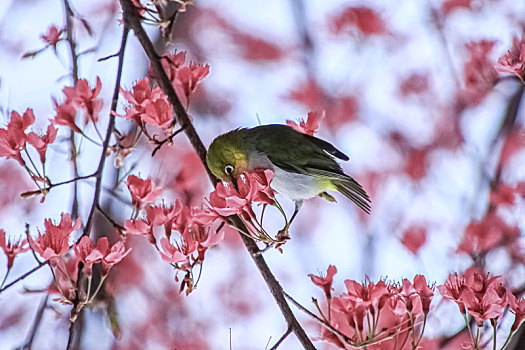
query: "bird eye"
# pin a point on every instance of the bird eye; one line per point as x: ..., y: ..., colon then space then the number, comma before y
x: 228, y: 169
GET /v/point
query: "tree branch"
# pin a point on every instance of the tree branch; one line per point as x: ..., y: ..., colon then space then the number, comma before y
x: 132, y: 18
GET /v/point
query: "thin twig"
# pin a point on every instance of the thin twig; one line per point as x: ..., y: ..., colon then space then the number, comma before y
x: 110, y: 219
x: 315, y: 317
x: 132, y: 18
x: 48, y: 188
x: 99, y: 173
x: 287, y: 333
x: 28, y: 273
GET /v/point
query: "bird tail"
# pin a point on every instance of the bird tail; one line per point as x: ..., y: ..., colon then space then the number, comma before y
x: 353, y: 191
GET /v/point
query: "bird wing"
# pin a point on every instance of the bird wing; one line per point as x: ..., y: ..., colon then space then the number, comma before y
x: 297, y: 152
x: 305, y: 154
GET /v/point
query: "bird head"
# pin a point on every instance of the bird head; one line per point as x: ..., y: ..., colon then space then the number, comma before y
x: 227, y: 156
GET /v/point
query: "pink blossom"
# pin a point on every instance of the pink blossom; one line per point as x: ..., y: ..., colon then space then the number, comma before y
x: 13, y: 138
x: 86, y: 252
x: 309, y: 126
x: 143, y: 192
x: 325, y: 283
x: 414, y: 238
x: 84, y: 97
x: 158, y: 112
x: 41, y: 142
x: 252, y: 187
x: 52, y: 37
x: 12, y: 248
x: 364, y: 19
x: 54, y: 241
x: 479, y: 73
x: 111, y: 256
x: 514, y: 60
x: 517, y: 307
x: 139, y: 97
x: 65, y: 115
x: 189, y: 77
x: 453, y: 289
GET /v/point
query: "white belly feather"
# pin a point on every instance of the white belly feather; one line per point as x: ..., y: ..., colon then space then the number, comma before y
x: 293, y: 185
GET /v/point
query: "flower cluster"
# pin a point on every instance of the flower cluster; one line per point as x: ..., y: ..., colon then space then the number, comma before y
x: 14, y: 139
x: 184, y: 77
x: 53, y: 246
x: 376, y: 315
x: 237, y: 199
x: 228, y: 199
x: 482, y: 296
x: 148, y: 105
x: 187, y: 233
x: 89, y: 254
x: 54, y: 242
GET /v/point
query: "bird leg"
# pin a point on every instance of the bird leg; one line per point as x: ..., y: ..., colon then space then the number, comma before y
x: 283, y: 234
x: 298, y: 205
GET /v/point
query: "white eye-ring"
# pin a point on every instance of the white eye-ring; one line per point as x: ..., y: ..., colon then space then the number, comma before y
x: 228, y: 169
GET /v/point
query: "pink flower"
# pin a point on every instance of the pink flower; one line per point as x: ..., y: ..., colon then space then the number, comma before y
x: 424, y: 292
x: 139, y: 97
x: 414, y: 238
x: 13, y: 138
x: 172, y: 62
x: 12, y: 248
x: 41, y: 142
x: 24, y: 121
x: 503, y: 194
x: 514, y: 60
x: 414, y: 84
x: 479, y: 73
x: 140, y: 227
x: 86, y: 98
x: 309, y: 126
x: 485, y: 308
x: 364, y: 19
x: 111, y: 256
x: 325, y: 283
x: 449, y: 6
x: 65, y: 115
x: 453, y: 289
x: 482, y: 296
x: 490, y: 232
x: 54, y: 241
x: 184, y: 78
x: 52, y: 37
x: 252, y: 187
x: 86, y: 252
x: 517, y: 307
x: 143, y: 192
x: 189, y: 77
x: 158, y: 112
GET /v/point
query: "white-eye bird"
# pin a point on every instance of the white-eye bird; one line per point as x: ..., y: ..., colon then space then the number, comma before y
x: 304, y: 166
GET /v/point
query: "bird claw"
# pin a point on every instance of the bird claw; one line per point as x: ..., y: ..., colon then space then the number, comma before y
x: 282, y: 237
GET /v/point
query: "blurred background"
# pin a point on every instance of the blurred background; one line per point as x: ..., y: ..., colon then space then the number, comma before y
x: 410, y: 94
